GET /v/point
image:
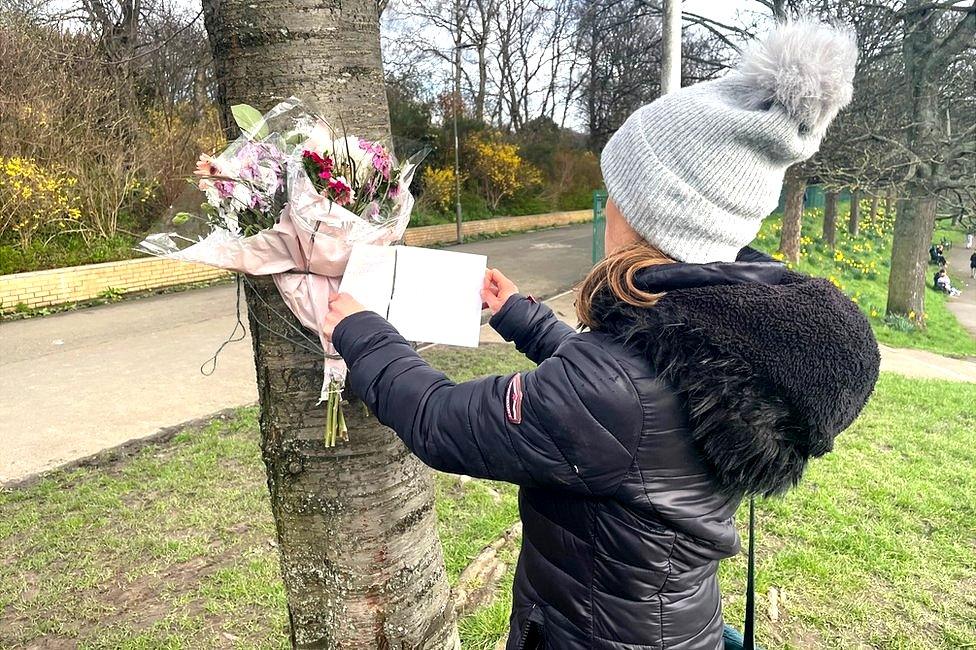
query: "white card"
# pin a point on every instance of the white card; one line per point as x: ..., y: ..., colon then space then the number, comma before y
x: 429, y: 295
x: 369, y: 277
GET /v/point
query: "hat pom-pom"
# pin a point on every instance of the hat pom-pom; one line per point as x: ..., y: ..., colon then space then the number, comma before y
x: 804, y: 66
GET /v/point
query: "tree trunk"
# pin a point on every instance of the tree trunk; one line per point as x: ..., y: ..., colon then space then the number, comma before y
x: 789, y: 239
x: 830, y: 219
x: 909, y: 254
x: 874, y: 208
x: 356, y: 526
x: 854, y: 217
x: 888, y: 205
x: 925, y: 56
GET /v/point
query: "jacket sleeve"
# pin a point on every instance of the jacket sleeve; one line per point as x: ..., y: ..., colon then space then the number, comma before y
x: 571, y: 423
x: 532, y: 326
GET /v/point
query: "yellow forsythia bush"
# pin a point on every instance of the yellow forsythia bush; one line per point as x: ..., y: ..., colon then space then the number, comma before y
x: 35, y: 199
x: 439, y: 187
x: 500, y: 169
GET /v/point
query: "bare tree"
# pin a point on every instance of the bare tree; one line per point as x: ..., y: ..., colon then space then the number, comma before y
x: 619, y: 44
x: 356, y: 525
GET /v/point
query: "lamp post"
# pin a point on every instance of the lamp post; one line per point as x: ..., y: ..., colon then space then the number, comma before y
x: 671, y: 42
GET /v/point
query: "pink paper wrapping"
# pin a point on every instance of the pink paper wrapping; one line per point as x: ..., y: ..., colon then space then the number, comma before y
x: 306, y: 253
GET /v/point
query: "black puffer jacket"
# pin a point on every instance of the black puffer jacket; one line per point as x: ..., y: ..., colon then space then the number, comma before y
x: 634, y: 444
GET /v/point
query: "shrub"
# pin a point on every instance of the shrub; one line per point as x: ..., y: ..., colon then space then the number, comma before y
x: 439, y: 187
x: 36, y: 200
x: 499, y: 168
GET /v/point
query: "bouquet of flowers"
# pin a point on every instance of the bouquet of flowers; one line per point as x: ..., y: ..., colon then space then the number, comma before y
x: 290, y: 198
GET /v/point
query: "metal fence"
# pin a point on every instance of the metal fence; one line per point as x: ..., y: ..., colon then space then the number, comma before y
x: 813, y: 198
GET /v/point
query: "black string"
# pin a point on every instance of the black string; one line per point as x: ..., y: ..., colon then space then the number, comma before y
x: 212, y: 361
x: 749, y: 632
x: 306, y: 342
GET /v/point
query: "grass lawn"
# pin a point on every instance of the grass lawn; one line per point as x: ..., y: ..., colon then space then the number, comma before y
x: 174, y: 548
x: 860, y: 267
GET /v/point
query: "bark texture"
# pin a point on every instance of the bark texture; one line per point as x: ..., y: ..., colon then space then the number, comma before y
x: 789, y: 239
x: 854, y: 216
x: 830, y: 219
x: 360, y: 557
x: 909, y: 256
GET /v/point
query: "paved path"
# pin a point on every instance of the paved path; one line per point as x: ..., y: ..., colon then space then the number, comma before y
x: 964, y: 305
x: 75, y: 383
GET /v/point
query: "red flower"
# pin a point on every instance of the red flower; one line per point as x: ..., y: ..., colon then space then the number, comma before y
x: 341, y: 191
x: 324, y: 165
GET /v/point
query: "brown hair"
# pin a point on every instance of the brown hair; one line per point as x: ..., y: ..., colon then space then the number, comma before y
x: 616, y: 272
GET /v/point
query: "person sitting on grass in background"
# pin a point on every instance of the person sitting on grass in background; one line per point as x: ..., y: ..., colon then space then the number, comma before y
x: 944, y: 284
x: 709, y: 372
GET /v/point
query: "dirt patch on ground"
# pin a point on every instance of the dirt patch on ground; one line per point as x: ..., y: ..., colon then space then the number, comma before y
x: 134, y: 605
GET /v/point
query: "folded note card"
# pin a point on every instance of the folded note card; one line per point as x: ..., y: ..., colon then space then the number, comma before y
x: 428, y: 295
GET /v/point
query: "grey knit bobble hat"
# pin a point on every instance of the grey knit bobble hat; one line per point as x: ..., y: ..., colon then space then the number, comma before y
x: 696, y: 171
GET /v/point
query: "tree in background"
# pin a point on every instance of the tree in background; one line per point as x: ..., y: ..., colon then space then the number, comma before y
x: 794, y: 187
x: 911, y: 129
x: 830, y: 217
x: 439, y: 184
x: 356, y: 526
x: 937, y: 40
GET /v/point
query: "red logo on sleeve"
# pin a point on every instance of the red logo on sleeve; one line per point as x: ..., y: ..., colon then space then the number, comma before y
x: 513, y: 400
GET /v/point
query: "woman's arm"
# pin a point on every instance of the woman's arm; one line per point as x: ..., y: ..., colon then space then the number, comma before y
x: 572, y: 423
x: 532, y: 326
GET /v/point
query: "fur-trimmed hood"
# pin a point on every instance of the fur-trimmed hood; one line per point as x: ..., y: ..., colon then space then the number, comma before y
x: 771, y: 365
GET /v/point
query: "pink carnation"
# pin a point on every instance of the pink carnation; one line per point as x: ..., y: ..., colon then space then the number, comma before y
x: 381, y: 157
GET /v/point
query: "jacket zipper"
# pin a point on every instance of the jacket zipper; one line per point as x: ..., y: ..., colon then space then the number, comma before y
x: 525, y: 629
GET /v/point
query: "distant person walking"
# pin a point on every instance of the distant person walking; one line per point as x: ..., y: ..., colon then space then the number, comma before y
x: 972, y: 265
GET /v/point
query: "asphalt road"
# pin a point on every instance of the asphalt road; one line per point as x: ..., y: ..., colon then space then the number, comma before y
x: 76, y: 383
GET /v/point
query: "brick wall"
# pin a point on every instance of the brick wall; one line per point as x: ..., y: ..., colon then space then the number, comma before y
x: 81, y: 283
x: 447, y: 233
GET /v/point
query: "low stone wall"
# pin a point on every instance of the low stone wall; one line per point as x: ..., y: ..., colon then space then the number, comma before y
x: 80, y: 283
x: 447, y: 233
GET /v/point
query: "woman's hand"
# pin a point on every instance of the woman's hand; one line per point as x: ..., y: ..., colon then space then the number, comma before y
x: 340, y: 306
x: 497, y: 290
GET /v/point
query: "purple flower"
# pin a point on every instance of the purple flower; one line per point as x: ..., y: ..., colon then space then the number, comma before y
x: 225, y: 189
x: 381, y: 157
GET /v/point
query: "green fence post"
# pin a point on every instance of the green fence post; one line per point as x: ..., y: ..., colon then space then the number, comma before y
x: 599, y: 223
